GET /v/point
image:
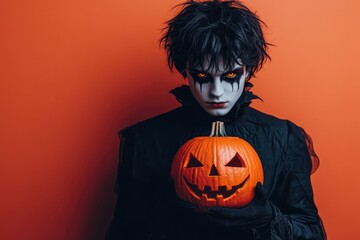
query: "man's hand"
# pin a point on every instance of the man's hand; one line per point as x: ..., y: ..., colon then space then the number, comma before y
x: 258, y: 214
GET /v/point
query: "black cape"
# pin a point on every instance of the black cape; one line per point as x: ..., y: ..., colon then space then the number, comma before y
x: 148, y: 208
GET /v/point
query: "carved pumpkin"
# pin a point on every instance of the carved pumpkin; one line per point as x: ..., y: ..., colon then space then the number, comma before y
x: 217, y: 170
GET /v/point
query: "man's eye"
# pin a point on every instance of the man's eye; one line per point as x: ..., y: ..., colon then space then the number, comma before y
x: 230, y: 75
x: 201, y: 75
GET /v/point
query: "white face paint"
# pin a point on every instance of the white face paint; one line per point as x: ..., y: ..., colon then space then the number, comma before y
x: 217, y: 90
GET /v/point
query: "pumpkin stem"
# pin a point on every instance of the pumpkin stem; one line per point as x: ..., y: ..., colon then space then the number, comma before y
x: 218, y: 129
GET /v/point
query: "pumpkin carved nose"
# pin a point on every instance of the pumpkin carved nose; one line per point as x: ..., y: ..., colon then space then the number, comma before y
x: 213, y: 171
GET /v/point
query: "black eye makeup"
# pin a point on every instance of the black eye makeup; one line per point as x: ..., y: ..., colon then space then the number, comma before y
x: 200, y: 77
x: 230, y: 76
x: 233, y: 75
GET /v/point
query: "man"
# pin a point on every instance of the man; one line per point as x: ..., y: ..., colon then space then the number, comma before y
x: 217, y: 46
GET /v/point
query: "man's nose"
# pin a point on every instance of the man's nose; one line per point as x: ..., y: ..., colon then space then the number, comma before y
x: 217, y: 89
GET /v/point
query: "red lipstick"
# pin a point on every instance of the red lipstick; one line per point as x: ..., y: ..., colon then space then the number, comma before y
x: 217, y: 104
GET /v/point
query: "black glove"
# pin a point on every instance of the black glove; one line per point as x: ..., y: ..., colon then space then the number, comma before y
x: 257, y: 215
x: 250, y: 222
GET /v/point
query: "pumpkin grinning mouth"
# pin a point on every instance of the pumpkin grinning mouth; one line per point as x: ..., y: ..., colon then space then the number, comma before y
x: 214, y: 194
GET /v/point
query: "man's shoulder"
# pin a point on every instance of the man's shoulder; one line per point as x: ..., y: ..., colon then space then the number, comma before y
x: 281, y: 125
x: 159, y: 123
x: 261, y: 118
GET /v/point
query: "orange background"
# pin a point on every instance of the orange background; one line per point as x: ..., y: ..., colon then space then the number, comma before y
x: 75, y: 72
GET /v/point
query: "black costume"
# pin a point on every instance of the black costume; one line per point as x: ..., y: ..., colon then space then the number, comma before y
x: 148, y: 208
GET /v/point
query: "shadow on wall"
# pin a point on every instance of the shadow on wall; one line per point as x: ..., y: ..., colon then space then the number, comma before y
x: 101, y: 205
x: 129, y: 107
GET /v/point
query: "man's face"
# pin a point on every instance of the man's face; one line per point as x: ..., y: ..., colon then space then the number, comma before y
x: 216, y: 90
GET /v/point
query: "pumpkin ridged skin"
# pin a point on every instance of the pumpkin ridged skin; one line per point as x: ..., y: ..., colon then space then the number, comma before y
x: 217, y: 151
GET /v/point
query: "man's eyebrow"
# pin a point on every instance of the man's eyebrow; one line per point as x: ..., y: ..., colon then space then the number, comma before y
x: 193, y: 69
x: 237, y: 69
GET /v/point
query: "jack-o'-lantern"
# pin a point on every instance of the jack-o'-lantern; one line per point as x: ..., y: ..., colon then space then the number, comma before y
x: 216, y: 170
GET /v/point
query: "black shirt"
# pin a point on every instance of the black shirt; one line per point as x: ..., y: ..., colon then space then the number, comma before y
x: 147, y: 207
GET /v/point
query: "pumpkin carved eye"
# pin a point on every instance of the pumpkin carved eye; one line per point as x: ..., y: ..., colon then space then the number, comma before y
x: 236, y: 161
x: 193, y: 162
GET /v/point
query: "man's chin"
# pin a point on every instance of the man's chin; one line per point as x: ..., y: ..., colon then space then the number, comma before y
x: 217, y: 112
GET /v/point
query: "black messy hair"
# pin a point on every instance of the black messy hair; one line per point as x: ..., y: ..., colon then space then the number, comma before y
x: 215, y: 29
